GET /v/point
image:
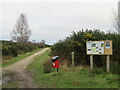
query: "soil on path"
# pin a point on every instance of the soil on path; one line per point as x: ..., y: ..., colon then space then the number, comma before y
x: 20, y: 69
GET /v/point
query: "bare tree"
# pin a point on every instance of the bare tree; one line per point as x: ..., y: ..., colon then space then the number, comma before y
x: 21, y: 33
x: 117, y: 19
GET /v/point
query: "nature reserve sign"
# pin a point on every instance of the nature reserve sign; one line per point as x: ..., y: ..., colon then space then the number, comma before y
x: 99, y: 47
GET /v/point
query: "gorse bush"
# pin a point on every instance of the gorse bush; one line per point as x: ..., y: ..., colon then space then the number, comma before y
x: 77, y: 42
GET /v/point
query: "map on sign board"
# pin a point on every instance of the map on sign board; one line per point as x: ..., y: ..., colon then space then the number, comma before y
x: 96, y: 47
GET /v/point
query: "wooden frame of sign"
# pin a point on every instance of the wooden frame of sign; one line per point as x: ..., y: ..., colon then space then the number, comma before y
x: 99, y: 48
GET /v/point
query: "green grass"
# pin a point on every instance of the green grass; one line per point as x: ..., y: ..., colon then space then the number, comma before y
x: 66, y: 78
x: 11, y: 85
x: 37, y: 64
x: 18, y: 58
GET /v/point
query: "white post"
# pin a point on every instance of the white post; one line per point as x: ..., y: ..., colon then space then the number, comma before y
x: 108, y: 64
x: 72, y: 59
x: 91, y: 62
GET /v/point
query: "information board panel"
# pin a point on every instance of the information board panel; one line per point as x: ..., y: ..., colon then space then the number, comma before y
x: 95, y: 47
x: 108, y: 48
x: 99, y: 47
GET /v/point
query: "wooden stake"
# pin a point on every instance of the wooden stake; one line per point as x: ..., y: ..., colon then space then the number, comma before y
x: 91, y: 62
x: 57, y: 69
x: 72, y: 59
x: 108, y: 64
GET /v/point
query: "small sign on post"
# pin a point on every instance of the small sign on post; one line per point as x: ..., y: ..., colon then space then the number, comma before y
x: 108, y: 52
x: 99, y: 48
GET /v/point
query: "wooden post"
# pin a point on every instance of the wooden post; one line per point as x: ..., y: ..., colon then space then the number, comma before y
x: 91, y: 62
x: 72, y: 59
x: 108, y: 63
x: 57, y: 69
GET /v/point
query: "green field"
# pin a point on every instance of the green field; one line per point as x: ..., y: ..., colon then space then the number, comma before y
x: 19, y: 57
x: 66, y: 78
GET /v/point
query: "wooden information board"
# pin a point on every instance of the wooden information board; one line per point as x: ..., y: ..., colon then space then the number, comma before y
x: 99, y: 47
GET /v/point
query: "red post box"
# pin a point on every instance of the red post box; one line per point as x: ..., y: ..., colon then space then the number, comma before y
x: 55, y: 62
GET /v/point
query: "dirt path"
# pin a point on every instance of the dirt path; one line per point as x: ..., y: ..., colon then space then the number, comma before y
x: 19, y: 68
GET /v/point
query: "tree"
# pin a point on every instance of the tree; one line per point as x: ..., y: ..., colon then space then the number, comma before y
x: 33, y: 41
x: 42, y: 43
x: 21, y: 33
x: 117, y: 19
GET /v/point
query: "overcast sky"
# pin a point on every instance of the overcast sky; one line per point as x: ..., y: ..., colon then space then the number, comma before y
x: 52, y: 21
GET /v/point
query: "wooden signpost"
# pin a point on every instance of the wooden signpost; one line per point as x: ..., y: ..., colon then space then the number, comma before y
x: 91, y: 61
x: 108, y: 63
x: 99, y: 48
x: 72, y: 60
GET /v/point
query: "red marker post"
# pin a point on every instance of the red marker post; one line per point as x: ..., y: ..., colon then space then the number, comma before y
x: 55, y: 61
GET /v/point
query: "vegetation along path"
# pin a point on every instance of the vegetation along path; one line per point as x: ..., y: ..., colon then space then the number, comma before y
x: 19, y: 68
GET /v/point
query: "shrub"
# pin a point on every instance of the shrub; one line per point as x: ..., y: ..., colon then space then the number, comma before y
x: 114, y: 68
x: 47, y: 66
x: 77, y: 42
x: 12, y: 49
x: 98, y: 70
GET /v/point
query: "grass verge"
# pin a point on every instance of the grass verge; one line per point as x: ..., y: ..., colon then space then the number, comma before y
x: 18, y: 58
x: 9, y: 80
x: 11, y: 85
x: 66, y: 78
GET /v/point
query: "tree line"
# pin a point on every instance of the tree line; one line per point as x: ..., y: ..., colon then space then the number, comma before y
x: 77, y: 42
x: 12, y: 49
